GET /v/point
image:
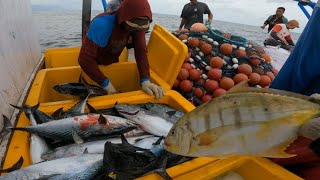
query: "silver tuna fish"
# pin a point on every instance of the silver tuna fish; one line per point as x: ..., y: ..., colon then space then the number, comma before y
x: 147, y: 120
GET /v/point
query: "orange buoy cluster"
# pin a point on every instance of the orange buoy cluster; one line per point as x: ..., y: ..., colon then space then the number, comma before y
x: 213, y: 66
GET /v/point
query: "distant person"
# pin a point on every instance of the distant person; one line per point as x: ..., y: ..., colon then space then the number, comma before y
x: 280, y: 35
x: 193, y: 13
x: 277, y: 18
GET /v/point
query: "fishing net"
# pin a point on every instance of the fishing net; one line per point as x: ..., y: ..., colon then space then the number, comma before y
x: 233, y: 51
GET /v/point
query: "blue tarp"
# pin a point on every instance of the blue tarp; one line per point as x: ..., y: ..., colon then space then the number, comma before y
x: 301, y: 71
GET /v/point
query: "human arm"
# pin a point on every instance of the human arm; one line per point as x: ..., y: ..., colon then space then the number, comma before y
x: 289, y: 40
x: 266, y: 22
x: 182, y: 23
x: 88, y: 62
x: 140, y: 50
x: 184, y: 17
x: 210, y: 15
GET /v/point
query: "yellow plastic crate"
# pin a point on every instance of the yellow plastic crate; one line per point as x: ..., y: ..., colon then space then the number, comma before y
x: 65, y: 57
x: 251, y: 168
x: 166, y: 54
x: 124, y: 76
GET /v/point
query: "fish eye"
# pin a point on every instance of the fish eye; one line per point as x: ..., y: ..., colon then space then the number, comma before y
x: 172, y: 133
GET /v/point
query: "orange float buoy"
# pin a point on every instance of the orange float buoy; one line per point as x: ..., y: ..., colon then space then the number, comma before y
x: 176, y: 83
x: 266, y: 57
x: 239, y: 78
x: 187, y: 57
x: 206, y: 98
x: 254, y: 78
x: 270, y: 75
x: 245, y: 69
x: 194, y: 74
x: 275, y: 71
x: 254, y: 60
x: 215, y: 74
x: 187, y: 66
x: 211, y: 85
x: 226, y: 49
x: 226, y: 83
x: 216, y: 62
x: 206, y: 49
x: 198, y: 92
x: 185, y: 86
x: 264, y: 81
x: 219, y: 92
x: 183, y: 74
x: 240, y: 53
x: 198, y: 27
x: 193, y: 42
x: 183, y: 37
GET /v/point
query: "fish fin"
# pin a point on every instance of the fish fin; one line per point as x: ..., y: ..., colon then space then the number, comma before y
x: 244, y: 87
x: 17, y: 107
x: 86, y: 151
x: 171, y: 113
x: 14, y: 167
x: 278, y: 151
x: 35, y: 107
x: 57, y: 114
x: 315, y: 146
x: 86, y: 85
x: 78, y: 108
x: 102, y: 119
x: 77, y: 139
x: 240, y: 87
x: 311, y: 129
x: 158, y: 141
x: 162, y: 170
x: 91, y: 108
x: 6, y: 129
x: 123, y: 139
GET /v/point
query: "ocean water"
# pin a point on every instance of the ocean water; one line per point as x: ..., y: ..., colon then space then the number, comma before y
x: 63, y: 28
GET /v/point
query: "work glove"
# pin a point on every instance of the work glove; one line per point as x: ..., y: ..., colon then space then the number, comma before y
x: 107, y: 85
x: 153, y: 89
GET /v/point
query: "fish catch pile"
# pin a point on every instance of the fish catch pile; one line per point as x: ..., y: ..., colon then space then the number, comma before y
x: 216, y: 61
x: 132, y: 140
x: 114, y: 143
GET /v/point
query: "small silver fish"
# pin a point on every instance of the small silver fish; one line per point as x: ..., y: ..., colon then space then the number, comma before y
x: 146, y: 120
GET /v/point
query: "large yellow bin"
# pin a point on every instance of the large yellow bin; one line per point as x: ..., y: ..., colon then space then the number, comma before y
x: 165, y: 52
x: 124, y: 76
x: 65, y: 57
x: 166, y: 55
x: 250, y: 168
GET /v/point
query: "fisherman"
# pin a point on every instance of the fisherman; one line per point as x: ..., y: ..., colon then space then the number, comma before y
x: 280, y: 35
x: 301, y: 74
x: 277, y: 18
x: 193, y: 13
x: 107, y: 36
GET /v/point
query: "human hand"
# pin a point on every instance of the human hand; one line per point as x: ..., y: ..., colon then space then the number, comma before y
x: 110, y: 88
x: 153, y: 89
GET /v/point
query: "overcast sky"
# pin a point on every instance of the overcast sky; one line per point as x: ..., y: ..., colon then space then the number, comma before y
x: 252, y: 12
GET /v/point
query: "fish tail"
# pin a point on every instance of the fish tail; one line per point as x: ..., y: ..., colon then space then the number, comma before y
x: 27, y: 109
x: 7, y: 127
x: 14, y: 167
